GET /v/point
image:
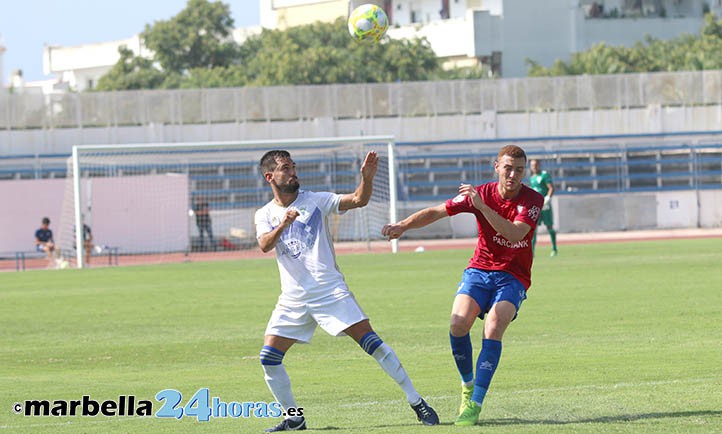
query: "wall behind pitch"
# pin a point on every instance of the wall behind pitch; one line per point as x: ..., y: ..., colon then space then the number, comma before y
x: 638, y: 211
x: 710, y: 211
x: 599, y: 213
x: 677, y: 209
x: 25, y: 203
x: 487, y: 125
x: 608, y: 212
x: 136, y: 214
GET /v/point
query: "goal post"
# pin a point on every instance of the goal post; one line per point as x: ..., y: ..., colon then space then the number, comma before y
x: 155, y: 202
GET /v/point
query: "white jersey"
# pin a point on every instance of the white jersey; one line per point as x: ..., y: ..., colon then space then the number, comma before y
x: 305, y: 254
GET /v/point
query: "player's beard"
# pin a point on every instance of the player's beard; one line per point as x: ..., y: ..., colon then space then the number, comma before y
x: 289, y: 188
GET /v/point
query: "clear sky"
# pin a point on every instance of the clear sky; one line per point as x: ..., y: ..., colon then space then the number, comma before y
x: 26, y: 25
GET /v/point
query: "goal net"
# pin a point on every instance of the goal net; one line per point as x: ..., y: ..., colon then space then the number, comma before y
x: 154, y: 203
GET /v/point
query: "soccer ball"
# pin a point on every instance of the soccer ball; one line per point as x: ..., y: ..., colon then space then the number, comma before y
x: 368, y: 23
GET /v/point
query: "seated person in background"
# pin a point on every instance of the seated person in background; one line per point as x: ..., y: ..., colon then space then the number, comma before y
x: 87, y: 242
x: 44, y: 239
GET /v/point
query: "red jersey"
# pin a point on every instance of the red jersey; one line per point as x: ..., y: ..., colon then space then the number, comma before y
x: 493, y: 251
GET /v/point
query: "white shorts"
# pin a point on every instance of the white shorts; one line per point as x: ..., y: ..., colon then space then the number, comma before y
x: 334, y: 314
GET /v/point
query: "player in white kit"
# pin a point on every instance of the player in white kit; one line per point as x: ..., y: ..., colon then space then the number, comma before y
x: 313, y: 289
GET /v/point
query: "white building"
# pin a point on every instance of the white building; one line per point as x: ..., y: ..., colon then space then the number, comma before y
x: 2, y: 68
x: 501, y: 34
x: 14, y: 81
x: 80, y: 67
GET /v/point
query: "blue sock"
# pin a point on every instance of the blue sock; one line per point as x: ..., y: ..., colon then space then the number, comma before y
x: 370, y: 341
x: 485, y: 367
x: 271, y: 356
x: 462, y: 352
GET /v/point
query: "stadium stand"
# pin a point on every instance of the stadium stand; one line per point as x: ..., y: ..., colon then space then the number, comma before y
x: 48, y: 166
x: 432, y: 171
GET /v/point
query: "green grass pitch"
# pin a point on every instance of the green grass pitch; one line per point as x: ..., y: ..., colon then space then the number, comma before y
x: 623, y: 337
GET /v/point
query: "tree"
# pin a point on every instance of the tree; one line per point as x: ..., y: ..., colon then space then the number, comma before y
x: 200, y: 36
x: 132, y: 72
x: 684, y: 53
x: 323, y: 53
x: 191, y: 51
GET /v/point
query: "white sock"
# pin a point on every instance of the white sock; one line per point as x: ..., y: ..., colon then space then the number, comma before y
x: 392, y: 366
x: 277, y: 379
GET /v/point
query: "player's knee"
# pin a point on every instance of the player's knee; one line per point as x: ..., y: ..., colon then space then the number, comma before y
x: 459, y: 326
x: 458, y: 329
x: 270, y: 356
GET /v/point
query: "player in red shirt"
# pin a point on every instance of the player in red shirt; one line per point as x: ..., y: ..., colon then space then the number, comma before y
x: 495, y: 282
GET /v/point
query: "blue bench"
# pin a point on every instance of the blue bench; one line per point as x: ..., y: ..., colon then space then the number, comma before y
x: 21, y: 256
x: 112, y: 255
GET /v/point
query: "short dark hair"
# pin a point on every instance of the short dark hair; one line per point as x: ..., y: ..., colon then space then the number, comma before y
x: 513, y: 151
x: 268, y: 161
x: 46, y: 221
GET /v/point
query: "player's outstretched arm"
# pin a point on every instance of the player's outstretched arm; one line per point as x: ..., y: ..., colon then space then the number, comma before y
x: 269, y: 240
x: 416, y: 220
x: 362, y: 195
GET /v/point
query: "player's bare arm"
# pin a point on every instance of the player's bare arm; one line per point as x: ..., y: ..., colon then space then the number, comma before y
x: 417, y: 220
x: 512, y: 231
x: 550, y: 193
x: 267, y: 241
x: 362, y: 195
x: 550, y: 186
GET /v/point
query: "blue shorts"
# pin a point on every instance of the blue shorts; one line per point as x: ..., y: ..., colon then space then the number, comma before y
x: 490, y: 287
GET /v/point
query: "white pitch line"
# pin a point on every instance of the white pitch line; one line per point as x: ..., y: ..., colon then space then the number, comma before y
x: 552, y: 389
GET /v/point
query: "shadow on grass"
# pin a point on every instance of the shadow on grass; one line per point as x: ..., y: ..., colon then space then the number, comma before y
x: 603, y: 419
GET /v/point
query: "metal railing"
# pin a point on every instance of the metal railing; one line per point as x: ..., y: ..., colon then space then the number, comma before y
x: 357, y: 101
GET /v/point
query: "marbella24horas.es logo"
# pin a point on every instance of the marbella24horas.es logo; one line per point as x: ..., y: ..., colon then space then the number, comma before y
x: 201, y: 406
